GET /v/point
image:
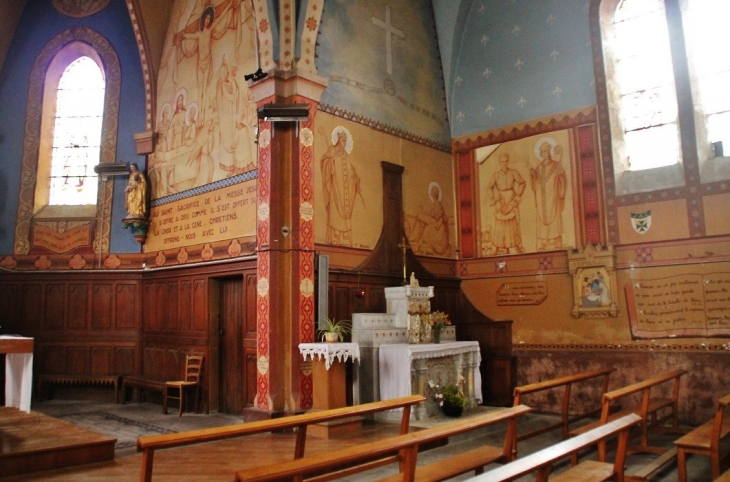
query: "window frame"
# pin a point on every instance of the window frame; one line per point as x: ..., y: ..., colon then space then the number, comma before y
x: 658, y: 178
x: 35, y: 138
x: 61, y: 61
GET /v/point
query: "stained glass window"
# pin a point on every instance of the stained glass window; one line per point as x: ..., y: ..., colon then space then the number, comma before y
x: 77, y: 134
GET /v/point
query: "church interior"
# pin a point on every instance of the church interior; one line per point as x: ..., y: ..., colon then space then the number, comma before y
x: 218, y: 178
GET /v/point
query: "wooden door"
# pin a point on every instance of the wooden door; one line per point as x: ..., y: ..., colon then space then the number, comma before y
x: 231, y: 373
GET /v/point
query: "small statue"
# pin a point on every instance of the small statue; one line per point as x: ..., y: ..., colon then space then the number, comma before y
x: 136, y: 192
x: 414, y: 281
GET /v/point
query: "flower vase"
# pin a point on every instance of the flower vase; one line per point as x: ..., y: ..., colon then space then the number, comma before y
x: 436, y: 335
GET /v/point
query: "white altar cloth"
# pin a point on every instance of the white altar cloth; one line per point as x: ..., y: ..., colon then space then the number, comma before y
x: 396, y: 362
x: 18, y: 378
x: 330, y: 351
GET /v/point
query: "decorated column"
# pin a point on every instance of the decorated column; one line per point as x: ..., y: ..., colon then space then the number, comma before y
x: 285, y: 243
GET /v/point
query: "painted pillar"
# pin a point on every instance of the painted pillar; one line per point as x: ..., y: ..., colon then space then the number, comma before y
x: 285, y: 243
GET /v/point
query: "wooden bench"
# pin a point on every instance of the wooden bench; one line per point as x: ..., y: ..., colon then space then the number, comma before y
x: 649, y: 409
x: 48, y: 381
x: 141, y: 384
x: 147, y: 445
x: 542, y: 461
x: 567, y: 383
x: 337, y: 464
x: 705, y: 440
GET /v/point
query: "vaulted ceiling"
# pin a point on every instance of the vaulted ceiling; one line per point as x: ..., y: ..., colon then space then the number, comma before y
x: 156, y: 13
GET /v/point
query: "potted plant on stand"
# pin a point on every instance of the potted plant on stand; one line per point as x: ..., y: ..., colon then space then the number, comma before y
x: 334, y: 331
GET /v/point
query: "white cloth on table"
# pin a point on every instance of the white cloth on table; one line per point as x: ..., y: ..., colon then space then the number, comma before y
x: 395, y: 362
x: 330, y: 351
x: 18, y: 379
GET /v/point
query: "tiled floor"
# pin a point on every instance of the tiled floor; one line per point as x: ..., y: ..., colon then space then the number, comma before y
x: 131, y: 420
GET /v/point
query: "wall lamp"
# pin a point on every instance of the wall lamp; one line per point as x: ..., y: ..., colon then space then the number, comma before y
x: 284, y: 112
x: 255, y: 76
x: 107, y: 169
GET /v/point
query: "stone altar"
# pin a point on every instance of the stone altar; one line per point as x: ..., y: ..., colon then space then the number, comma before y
x: 401, y: 324
x: 406, y: 369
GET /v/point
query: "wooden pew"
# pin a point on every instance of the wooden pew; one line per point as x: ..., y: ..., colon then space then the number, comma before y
x: 336, y: 464
x: 649, y: 410
x: 147, y: 445
x: 541, y: 462
x: 567, y: 383
x: 705, y: 440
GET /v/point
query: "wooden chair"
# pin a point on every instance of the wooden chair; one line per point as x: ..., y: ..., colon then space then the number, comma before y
x: 193, y: 368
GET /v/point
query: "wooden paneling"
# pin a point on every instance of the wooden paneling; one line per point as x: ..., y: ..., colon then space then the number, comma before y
x: 126, y: 306
x: 186, y: 305
x: 32, y: 305
x: 52, y: 359
x: 78, y: 359
x: 101, y: 306
x: 102, y: 360
x: 172, y: 301
x: 125, y: 360
x: 10, y: 301
x: 200, y: 305
x: 78, y: 302
x: 54, y: 308
x: 107, y: 323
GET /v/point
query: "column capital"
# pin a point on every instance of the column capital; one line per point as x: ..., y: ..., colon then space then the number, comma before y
x: 285, y: 84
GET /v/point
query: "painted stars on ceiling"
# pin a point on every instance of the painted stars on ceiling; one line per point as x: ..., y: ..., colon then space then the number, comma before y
x: 519, y: 58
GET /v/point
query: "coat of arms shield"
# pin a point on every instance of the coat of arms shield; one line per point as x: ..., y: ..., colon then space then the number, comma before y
x: 641, y: 222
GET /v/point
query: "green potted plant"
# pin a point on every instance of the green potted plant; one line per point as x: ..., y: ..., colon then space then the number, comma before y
x: 450, y: 398
x: 334, y: 331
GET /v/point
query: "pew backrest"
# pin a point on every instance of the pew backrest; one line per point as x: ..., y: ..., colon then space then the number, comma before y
x: 402, y: 449
x: 566, y: 382
x: 648, y: 409
x: 149, y: 444
x: 542, y: 461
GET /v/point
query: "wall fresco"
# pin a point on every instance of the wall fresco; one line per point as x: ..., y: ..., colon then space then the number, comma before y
x: 206, y: 115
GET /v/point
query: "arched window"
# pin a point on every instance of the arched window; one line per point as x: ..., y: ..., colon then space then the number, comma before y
x: 665, y: 70
x: 70, y: 126
x: 77, y: 134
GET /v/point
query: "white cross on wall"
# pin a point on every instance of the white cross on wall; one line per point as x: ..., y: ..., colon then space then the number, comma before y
x: 390, y: 30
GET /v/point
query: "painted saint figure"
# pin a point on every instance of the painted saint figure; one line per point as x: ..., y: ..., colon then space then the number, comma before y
x: 428, y: 231
x: 549, y: 182
x: 176, y: 135
x: 227, y: 100
x: 136, y: 193
x: 341, y: 187
x: 505, y: 191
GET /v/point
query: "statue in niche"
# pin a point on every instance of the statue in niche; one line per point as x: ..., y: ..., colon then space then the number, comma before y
x: 136, y: 193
